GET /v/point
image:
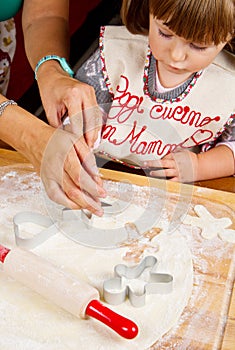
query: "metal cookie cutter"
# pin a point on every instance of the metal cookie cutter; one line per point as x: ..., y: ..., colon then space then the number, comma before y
x: 85, y: 228
x: 116, y: 290
x: 110, y: 209
x: 78, y: 225
x: 109, y: 231
x: 50, y: 229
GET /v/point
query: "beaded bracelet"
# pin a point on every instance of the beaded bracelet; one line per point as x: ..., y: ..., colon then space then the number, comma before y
x: 4, y: 105
x: 61, y: 60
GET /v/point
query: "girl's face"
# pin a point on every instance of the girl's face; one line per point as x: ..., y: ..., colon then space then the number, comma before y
x: 177, y: 59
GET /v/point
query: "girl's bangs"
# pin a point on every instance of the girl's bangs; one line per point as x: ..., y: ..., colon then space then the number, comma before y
x: 199, y: 21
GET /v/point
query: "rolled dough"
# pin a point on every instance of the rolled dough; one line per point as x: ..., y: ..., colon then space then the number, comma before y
x: 30, y: 322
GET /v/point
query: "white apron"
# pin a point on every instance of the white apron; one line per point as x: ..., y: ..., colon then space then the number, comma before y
x: 139, y: 127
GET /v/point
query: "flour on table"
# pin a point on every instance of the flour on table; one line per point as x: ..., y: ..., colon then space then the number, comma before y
x: 211, y: 226
x: 29, y: 322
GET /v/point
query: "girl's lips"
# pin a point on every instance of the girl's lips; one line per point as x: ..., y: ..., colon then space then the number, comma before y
x: 173, y: 68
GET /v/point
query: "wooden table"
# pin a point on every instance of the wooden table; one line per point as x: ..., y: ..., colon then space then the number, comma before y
x: 8, y: 157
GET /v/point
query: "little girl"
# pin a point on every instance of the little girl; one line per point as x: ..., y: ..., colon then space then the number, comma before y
x: 170, y: 87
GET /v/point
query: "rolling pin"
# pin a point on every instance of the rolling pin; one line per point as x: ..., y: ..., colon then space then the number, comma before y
x: 64, y: 290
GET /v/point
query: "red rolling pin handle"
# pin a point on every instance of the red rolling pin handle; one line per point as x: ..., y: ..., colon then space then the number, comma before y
x: 123, y: 326
x: 3, y: 253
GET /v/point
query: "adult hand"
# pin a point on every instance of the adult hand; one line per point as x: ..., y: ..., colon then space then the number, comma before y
x: 68, y: 170
x: 72, y: 98
x: 180, y: 166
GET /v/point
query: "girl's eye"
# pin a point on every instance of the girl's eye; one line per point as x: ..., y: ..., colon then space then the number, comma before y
x: 199, y: 48
x: 164, y: 35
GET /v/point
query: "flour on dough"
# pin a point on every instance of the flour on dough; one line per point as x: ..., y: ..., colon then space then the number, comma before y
x: 30, y: 319
x: 30, y: 322
x: 211, y: 226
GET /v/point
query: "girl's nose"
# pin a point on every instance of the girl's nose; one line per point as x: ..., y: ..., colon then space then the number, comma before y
x: 178, y: 51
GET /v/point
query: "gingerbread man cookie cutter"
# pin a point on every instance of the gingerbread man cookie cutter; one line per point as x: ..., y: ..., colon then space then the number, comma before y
x: 117, y: 289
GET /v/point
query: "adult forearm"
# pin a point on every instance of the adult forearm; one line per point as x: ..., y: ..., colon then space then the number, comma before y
x: 45, y: 27
x: 21, y: 130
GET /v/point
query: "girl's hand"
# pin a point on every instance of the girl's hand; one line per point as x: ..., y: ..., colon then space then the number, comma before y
x: 186, y: 166
x: 179, y: 166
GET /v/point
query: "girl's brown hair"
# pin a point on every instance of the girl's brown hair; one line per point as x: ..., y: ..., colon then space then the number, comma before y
x: 202, y: 21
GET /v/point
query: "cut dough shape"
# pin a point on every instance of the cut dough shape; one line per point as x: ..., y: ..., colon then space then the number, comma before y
x: 211, y: 226
x: 227, y: 235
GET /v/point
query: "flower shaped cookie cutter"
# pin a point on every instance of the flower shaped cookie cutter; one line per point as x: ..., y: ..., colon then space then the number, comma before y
x: 117, y: 289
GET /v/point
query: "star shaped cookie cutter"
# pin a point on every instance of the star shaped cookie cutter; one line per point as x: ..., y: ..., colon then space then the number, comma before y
x: 117, y: 289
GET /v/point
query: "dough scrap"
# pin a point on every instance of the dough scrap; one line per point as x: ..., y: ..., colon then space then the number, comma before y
x: 211, y: 226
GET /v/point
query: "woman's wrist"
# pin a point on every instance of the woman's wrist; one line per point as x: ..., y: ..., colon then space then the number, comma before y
x: 51, y: 61
x: 23, y: 131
